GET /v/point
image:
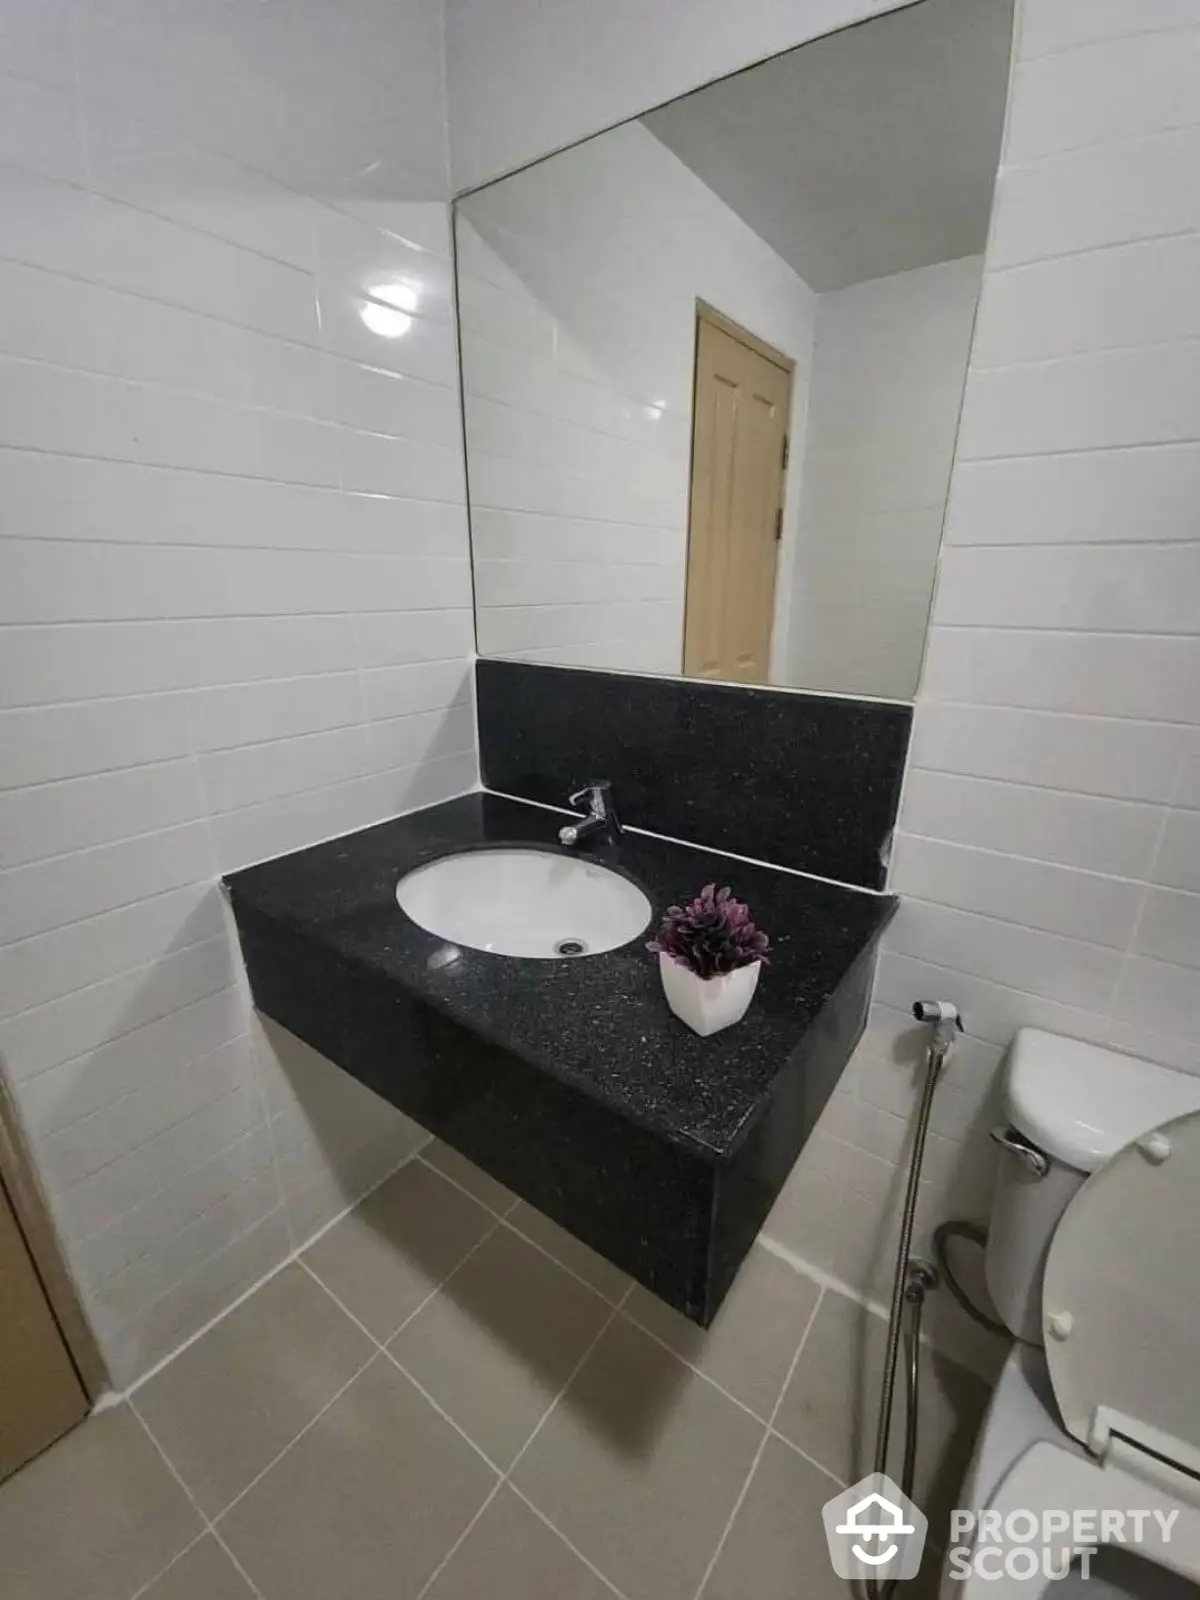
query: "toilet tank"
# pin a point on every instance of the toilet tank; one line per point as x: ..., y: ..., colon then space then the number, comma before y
x: 1069, y: 1106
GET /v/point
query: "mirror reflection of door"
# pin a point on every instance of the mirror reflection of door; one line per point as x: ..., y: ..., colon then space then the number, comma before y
x: 742, y: 403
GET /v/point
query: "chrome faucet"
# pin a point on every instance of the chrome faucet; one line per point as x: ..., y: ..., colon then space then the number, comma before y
x: 601, y: 817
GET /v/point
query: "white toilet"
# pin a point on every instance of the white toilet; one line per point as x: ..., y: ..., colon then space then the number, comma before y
x: 1094, y: 1253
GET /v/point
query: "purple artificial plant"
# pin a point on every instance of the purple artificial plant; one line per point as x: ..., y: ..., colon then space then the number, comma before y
x: 712, y: 935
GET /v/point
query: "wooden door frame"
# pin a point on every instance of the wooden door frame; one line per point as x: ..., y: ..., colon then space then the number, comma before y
x: 735, y: 330
x: 706, y: 312
x: 19, y: 1184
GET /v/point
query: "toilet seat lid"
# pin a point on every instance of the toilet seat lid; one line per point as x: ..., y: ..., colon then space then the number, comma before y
x: 1121, y: 1298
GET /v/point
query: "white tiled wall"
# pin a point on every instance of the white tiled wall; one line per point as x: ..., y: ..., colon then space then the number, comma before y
x: 188, y: 217
x: 579, y: 282
x: 889, y: 362
x: 1049, y: 842
x: 235, y: 603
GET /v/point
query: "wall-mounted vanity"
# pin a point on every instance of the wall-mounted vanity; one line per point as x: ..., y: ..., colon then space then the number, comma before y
x: 712, y: 364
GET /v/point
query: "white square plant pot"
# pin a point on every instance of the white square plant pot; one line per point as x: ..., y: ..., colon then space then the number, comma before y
x: 708, y: 1004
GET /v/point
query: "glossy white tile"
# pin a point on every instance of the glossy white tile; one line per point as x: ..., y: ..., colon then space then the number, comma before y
x: 1073, y: 830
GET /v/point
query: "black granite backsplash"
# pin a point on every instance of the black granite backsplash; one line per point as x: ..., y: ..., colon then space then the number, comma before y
x: 801, y: 780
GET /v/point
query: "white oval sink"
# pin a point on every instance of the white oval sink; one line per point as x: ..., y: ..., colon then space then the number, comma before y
x: 533, y: 903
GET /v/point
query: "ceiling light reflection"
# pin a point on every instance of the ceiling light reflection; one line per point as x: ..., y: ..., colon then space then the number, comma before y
x: 387, y: 306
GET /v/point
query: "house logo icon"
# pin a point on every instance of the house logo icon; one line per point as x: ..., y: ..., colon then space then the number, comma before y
x: 874, y: 1530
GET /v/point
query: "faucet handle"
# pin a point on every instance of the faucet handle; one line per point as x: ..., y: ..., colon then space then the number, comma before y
x: 597, y: 795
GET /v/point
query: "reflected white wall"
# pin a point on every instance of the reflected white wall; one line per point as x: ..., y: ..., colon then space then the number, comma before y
x: 578, y: 289
x: 889, y: 365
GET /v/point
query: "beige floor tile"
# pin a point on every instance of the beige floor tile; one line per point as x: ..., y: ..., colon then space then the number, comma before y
x: 497, y: 1344
x: 205, y: 1573
x: 97, y: 1515
x: 750, y: 1345
x: 830, y: 1408
x: 232, y: 1401
x: 510, y: 1554
x: 394, y: 1249
x: 474, y: 1179
x: 367, y: 1504
x: 640, y: 1465
x: 576, y: 1256
x: 776, y: 1548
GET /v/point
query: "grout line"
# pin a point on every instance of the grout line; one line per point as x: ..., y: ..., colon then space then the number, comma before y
x: 505, y: 1475
x: 178, y: 389
x: 767, y: 1433
x: 463, y: 1536
x: 1048, y: 713
x: 802, y: 1269
x: 1127, y: 543
x: 383, y: 1349
x: 353, y: 1205
x: 1085, y: 354
x: 380, y: 1344
x: 804, y: 1456
x: 1039, y: 159
x: 615, y: 1312
x: 178, y: 1174
x: 128, y: 1393
x: 232, y: 986
x: 52, y: 541
x: 197, y: 757
x: 152, y: 1372
x: 207, y: 1520
x: 220, y: 472
x: 559, y: 1534
x: 174, y: 1561
x: 275, y: 1459
x: 694, y: 1370
x: 1008, y: 988
x: 461, y: 1187
x: 1077, y: 46
x: 445, y: 1415
x: 265, y: 1168
x: 593, y: 602
x: 1013, y: 855
x: 1056, y: 630
x: 504, y: 1218
x: 259, y: 1077
x: 136, y: 971
x: 1072, y: 939
x: 562, y: 1265
x: 1044, y: 788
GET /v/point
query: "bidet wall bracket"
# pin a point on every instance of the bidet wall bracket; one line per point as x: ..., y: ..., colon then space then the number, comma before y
x: 943, y: 1016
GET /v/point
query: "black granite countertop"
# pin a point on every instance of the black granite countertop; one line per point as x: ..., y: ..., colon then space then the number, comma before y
x: 599, y: 1023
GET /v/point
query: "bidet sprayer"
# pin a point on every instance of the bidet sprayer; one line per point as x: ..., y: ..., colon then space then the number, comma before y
x: 943, y: 1017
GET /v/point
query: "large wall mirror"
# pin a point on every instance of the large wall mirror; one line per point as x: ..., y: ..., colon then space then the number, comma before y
x: 713, y: 362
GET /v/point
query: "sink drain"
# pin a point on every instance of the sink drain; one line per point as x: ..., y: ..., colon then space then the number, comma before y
x: 570, y: 947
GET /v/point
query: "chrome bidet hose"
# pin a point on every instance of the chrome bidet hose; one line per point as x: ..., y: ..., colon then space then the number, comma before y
x: 911, y: 1281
